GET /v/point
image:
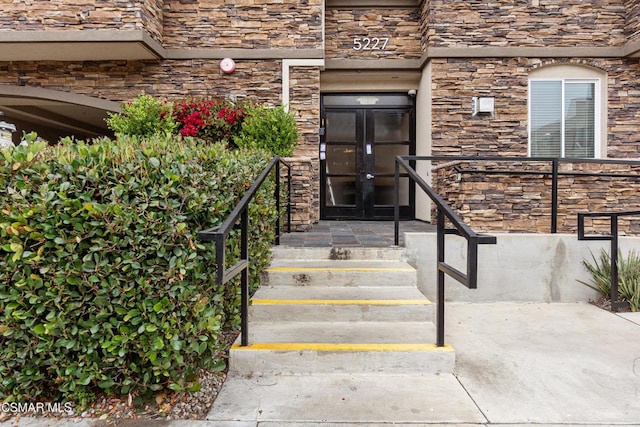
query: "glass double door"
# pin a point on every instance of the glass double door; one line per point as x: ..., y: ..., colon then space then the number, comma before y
x: 357, y: 160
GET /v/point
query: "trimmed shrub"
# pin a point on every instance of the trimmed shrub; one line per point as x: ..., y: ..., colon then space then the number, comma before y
x: 144, y: 116
x: 103, y: 285
x: 271, y: 129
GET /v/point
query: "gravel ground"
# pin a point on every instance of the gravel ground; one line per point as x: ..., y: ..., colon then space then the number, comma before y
x: 166, y: 405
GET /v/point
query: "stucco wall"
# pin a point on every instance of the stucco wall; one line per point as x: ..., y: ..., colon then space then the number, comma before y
x: 535, y: 268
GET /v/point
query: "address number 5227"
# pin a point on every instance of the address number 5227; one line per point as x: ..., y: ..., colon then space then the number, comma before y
x: 370, y: 43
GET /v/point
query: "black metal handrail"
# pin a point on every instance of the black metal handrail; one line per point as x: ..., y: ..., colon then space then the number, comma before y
x: 220, y: 233
x: 468, y: 278
x: 555, y: 171
x: 613, y: 238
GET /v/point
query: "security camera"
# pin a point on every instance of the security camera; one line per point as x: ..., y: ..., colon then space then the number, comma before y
x: 412, y: 92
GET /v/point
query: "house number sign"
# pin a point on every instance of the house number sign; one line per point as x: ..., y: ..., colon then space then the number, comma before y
x: 370, y: 43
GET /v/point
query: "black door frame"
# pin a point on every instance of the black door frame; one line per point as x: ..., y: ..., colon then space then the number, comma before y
x: 364, y: 207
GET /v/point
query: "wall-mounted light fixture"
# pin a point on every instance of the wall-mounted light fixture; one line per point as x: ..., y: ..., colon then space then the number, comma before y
x: 482, y: 105
x: 227, y: 65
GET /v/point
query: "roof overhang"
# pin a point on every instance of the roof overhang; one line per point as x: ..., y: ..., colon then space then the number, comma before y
x: 78, y: 45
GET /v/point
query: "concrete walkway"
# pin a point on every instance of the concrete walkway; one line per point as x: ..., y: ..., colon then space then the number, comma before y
x: 517, y: 364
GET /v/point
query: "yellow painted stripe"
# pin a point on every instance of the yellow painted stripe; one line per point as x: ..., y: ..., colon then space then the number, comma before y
x: 287, y: 346
x: 307, y: 269
x: 341, y: 302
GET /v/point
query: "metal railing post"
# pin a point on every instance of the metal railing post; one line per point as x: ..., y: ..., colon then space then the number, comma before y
x: 220, y: 258
x: 396, y: 206
x: 554, y: 196
x: 441, y: 257
x: 288, y: 198
x: 244, y: 281
x: 614, y: 263
x: 277, y: 196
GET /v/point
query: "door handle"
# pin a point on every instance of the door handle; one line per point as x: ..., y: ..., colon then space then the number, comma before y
x: 369, y: 176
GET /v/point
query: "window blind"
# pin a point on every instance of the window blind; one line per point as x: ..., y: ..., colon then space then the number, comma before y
x: 546, y: 118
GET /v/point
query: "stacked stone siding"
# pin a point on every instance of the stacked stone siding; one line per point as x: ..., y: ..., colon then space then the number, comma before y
x: 205, y: 28
x: 632, y: 30
x: 304, y: 199
x: 462, y: 23
x: 305, y: 103
x: 400, y: 26
x: 522, y: 203
x: 456, y: 81
x: 83, y: 15
x: 245, y: 24
x: 124, y: 80
x: 455, y: 130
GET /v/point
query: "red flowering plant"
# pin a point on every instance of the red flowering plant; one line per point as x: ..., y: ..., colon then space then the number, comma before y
x: 211, y: 119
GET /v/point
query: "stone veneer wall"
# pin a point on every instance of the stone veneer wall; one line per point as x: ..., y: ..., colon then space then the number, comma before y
x: 517, y: 203
x: 304, y: 184
x: 64, y: 15
x: 456, y: 81
x: 304, y: 94
x: 522, y: 203
x: 401, y: 26
x: 252, y: 24
x: 632, y: 30
x: 124, y: 80
x: 556, y: 23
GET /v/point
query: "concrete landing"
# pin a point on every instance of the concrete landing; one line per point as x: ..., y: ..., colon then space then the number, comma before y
x: 570, y: 363
x: 363, y: 399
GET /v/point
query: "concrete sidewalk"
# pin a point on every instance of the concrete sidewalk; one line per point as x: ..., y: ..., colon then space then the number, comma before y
x: 517, y: 364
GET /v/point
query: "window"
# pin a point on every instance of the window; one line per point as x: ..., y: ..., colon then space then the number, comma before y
x: 564, y: 118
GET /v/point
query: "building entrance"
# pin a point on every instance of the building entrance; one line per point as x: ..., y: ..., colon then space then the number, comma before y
x: 362, y: 134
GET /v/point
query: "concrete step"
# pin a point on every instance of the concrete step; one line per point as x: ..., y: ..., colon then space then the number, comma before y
x: 345, y: 399
x: 340, y: 273
x: 319, y: 303
x: 338, y: 253
x: 334, y: 347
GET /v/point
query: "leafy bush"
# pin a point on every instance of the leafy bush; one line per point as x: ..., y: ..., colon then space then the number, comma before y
x: 103, y: 285
x: 214, y: 119
x: 144, y: 116
x: 628, y: 276
x: 271, y: 129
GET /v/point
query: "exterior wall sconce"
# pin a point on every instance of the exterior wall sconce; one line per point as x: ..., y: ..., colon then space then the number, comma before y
x: 227, y: 65
x: 482, y: 105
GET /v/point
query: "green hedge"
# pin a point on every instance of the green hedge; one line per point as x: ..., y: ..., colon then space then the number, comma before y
x: 103, y: 285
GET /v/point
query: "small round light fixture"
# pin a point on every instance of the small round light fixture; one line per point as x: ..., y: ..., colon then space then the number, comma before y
x: 227, y: 65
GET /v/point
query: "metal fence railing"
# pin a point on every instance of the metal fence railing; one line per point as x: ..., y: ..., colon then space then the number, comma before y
x: 220, y: 234
x: 469, y: 278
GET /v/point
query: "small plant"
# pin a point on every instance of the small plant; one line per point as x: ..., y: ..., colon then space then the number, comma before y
x: 628, y: 276
x: 271, y: 129
x: 144, y: 116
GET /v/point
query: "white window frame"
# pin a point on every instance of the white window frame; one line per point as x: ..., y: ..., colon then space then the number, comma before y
x: 597, y: 116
